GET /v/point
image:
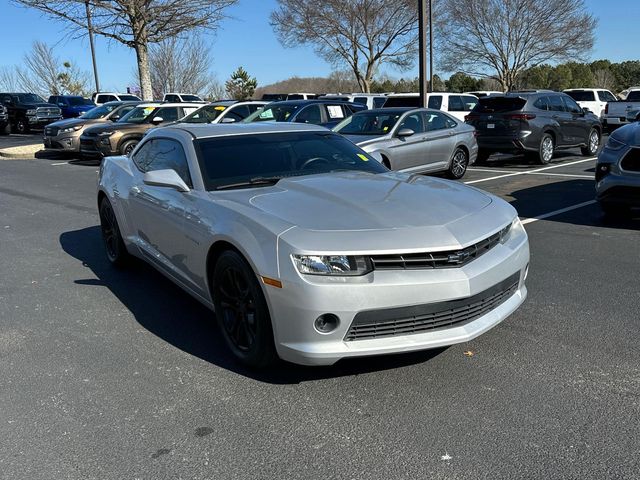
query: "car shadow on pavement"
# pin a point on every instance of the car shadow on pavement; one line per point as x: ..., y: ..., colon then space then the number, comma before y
x: 524, y: 163
x: 548, y: 197
x: 168, y: 312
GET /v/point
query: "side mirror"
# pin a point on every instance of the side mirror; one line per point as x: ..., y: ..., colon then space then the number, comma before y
x: 61, y: 104
x: 166, y: 178
x: 405, y: 132
x: 585, y: 110
x: 157, y: 120
x: 228, y: 120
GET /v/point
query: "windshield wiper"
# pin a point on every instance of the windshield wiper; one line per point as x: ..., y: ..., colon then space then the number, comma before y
x: 251, y: 182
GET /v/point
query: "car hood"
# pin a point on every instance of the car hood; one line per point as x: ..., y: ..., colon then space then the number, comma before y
x: 116, y: 126
x: 628, y: 134
x: 39, y: 105
x: 72, y: 122
x: 356, y: 210
x: 364, y: 140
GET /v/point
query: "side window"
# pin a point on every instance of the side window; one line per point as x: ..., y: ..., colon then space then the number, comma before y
x: 238, y: 113
x: 254, y: 107
x: 542, y: 103
x: 188, y: 111
x: 335, y: 112
x: 437, y: 121
x: 110, y: 98
x: 413, y: 122
x: 168, y: 114
x: 362, y: 100
x: 435, y: 102
x: 172, y: 98
x: 571, y: 104
x: 5, y: 99
x: 53, y: 100
x: 378, y: 102
x: 455, y: 104
x: 163, y: 154
x: 606, y: 96
x: 469, y: 102
x: 310, y: 114
x: 556, y: 104
x: 101, y: 98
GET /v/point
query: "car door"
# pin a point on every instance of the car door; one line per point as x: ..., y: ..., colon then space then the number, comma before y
x: 579, y: 124
x: 440, y: 137
x: 409, y: 152
x: 562, y: 118
x: 158, y: 213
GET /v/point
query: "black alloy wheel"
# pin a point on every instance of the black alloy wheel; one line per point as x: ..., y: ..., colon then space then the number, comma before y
x: 593, y: 143
x: 242, y: 312
x: 127, y: 147
x: 459, y: 164
x: 22, y: 126
x: 113, y: 244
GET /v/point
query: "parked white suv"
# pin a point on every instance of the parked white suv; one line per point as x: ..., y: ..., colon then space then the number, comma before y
x: 456, y: 104
x: 371, y: 100
x: 595, y: 99
x: 103, y: 97
x: 181, y: 98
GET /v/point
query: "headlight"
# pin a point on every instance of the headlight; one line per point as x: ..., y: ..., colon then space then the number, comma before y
x: 505, y: 233
x: 106, y: 134
x: 71, y: 129
x: 31, y: 111
x: 342, y: 265
x: 614, y: 144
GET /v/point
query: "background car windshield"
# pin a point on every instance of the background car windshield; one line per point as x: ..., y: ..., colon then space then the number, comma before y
x: 205, y: 114
x: 129, y: 97
x: 30, y: 98
x: 138, y: 115
x: 98, y: 112
x: 634, y: 96
x: 369, y: 123
x: 191, y: 98
x: 583, y: 96
x: 240, y: 158
x: 78, y: 101
x: 274, y: 113
x: 499, y: 104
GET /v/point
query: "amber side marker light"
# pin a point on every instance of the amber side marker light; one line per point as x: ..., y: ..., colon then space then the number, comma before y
x: 271, y: 281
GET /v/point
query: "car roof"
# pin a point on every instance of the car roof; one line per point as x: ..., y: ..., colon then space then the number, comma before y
x: 392, y: 109
x: 170, y: 104
x: 308, y: 102
x: 207, y: 130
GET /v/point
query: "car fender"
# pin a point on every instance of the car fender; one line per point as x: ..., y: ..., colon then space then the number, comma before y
x: 127, y: 137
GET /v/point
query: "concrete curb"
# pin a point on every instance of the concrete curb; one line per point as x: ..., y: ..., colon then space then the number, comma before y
x: 23, y: 152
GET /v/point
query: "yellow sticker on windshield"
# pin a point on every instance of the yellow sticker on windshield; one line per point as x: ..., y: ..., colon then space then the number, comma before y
x: 363, y: 157
x: 219, y: 108
x: 384, y: 129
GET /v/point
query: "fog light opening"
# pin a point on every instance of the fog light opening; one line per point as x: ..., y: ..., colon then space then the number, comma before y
x: 326, y: 323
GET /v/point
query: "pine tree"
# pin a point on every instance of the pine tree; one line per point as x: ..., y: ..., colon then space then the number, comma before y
x: 240, y: 85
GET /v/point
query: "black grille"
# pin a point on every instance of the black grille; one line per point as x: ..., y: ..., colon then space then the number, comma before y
x: 631, y: 161
x: 444, y: 259
x: 430, y: 316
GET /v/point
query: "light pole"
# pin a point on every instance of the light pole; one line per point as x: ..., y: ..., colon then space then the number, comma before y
x: 430, y: 45
x: 93, y: 52
x: 422, y: 51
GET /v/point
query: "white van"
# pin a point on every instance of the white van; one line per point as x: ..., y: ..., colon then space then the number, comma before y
x: 595, y: 99
x: 456, y: 104
x: 103, y: 97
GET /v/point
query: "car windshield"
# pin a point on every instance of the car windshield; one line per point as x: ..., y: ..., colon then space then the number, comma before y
x: 191, y: 98
x: 272, y: 113
x: 99, y: 112
x: 128, y: 98
x: 137, y: 115
x: 78, y: 101
x: 369, y: 123
x: 582, y: 96
x: 242, y: 161
x: 205, y: 114
x: 30, y: 98
x: 633, y: 96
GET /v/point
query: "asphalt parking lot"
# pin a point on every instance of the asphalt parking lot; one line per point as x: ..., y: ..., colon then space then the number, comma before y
x: 119, y: 374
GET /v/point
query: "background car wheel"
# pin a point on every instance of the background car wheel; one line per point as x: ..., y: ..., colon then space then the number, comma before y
x: 593, y: 143
x: 242, y: 312
x: 546, y: 149
x: 113, y: 244
x: 6, y: 130
x: 459, y: 164
x: 127, y: 147
x: 22, y: 126
x: 482, y: 157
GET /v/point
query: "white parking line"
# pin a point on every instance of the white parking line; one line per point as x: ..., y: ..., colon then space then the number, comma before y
x: 61, y: 163
x: 557, y: 212
x: 529, y: 172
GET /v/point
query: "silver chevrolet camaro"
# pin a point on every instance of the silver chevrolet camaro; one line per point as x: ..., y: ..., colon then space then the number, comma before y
x: 309, y: 249
x: 413, y: 139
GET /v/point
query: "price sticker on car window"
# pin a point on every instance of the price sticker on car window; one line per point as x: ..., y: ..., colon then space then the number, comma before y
x: 363, y: 157
x: 491, y: 125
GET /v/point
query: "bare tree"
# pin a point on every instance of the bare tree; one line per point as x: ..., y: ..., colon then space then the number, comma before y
x: 45, y: 74
x: 9, y: 79
x: 180, y: 66
x: 136, y: 23
x: 501, y: 38
x: 363, y: 34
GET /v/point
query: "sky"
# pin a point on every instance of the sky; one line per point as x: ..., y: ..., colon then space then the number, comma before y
x: 246, y: 39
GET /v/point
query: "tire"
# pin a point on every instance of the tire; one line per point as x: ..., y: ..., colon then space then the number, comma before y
x: 459, y: 164
x: 482, y: 157
x: 127, y: 147
x: 6, y: 130
x: 241, y: 311
x: 546, y: 149
x: 386, y: 163
x: 113, y: 244
x: 22, y: 126
x: 593, y: 143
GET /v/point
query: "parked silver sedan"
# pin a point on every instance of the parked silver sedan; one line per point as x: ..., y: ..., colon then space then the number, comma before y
x: 309, y: 249
x: 413, y: 139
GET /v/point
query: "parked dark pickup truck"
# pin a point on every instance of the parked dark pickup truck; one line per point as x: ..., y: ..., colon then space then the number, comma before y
x: 28, y: 110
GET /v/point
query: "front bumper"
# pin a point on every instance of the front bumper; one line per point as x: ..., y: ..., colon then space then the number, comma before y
x: 62, y: 143
x: 303, y: 298
x: 618, y: 187
x: 507, y: 143
x: 96, y: 146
